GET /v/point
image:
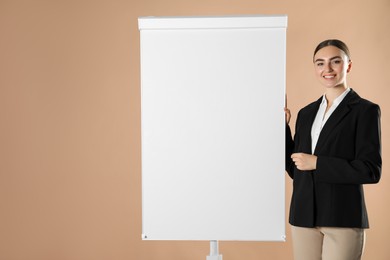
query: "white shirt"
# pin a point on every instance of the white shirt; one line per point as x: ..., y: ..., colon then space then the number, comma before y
x: 321, y: 117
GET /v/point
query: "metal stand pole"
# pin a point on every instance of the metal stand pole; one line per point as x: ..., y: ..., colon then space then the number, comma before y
x: 214, y: 254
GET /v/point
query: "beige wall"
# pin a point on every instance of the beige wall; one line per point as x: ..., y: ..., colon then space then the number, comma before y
x: 70, y: 169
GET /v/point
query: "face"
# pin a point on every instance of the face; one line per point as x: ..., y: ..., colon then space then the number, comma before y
x: 331, y: 67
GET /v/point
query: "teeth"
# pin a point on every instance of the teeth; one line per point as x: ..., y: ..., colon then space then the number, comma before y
x: 329, y: 77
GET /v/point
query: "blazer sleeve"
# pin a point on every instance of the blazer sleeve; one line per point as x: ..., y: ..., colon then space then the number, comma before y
x: 290, y: 147
x: 367, y: 164
x: 289, y: 150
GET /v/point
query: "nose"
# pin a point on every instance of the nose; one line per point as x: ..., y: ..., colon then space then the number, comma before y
x: 328, y: 67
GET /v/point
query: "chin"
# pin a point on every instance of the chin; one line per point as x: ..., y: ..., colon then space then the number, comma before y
x: 329, y: 85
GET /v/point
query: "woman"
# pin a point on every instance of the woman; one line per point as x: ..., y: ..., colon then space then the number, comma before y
x: 336, y: 148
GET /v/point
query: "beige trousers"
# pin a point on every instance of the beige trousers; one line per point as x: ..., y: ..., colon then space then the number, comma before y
x: 328, y: 243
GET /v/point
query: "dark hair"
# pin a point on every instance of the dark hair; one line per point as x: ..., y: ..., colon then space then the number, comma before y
x: 333, y: 42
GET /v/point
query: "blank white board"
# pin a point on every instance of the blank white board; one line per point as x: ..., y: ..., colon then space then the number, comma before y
x: 213, y: 127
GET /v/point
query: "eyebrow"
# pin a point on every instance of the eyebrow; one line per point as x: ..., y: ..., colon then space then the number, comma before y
x: 335, y: 57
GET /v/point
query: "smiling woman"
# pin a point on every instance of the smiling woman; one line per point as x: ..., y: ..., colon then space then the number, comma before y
x: 336, y: 149
x: 332, y: 62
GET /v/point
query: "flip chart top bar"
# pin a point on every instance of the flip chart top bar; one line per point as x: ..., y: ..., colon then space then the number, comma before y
x: 212, y: 22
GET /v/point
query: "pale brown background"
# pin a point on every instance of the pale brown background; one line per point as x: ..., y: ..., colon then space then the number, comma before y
x: 70, y: 166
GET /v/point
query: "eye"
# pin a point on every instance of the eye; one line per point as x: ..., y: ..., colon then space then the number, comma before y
x: 337, y: 61
x: 319, y: 64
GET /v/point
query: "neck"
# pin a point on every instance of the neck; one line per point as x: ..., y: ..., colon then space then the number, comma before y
x: 332, y: 93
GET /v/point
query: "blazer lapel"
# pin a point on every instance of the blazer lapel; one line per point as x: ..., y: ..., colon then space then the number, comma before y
x: 341, y: 111
x: 306, y: 125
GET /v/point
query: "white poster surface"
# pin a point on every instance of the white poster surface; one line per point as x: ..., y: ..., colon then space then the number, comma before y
x: 213, y: 127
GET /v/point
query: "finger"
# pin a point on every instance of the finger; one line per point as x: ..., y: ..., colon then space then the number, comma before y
x: 285, y: 102
x: 296, y: 155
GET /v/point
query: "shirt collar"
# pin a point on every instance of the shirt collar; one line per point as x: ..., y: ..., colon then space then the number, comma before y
x: 337, y: 100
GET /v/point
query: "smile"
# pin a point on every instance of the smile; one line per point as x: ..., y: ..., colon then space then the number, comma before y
x: 329, y: 76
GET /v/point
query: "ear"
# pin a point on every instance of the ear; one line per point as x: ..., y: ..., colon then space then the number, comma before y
x: 349, y: 66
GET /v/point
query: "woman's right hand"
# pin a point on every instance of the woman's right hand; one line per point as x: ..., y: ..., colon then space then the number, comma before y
x: 287, y: 113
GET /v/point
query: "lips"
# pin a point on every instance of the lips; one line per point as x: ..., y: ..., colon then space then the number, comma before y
x: 329, y: 76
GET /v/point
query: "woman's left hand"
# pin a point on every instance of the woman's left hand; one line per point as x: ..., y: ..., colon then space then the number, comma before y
x: 304, y: 161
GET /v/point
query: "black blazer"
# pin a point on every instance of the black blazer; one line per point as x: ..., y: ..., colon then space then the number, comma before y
x: 348, y: 155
